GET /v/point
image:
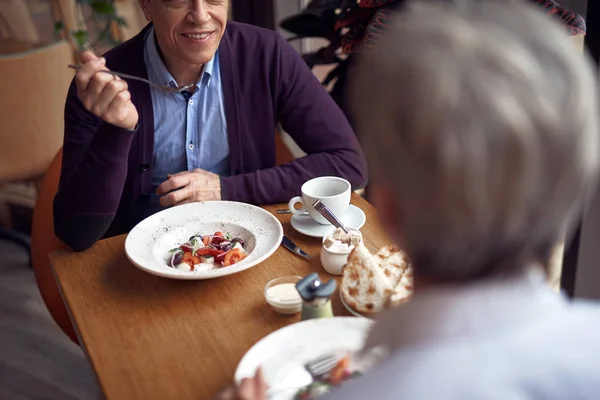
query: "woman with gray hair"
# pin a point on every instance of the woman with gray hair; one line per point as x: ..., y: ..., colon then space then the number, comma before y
x: 480, y: 123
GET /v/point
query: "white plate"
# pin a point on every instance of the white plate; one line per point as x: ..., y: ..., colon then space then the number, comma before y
x: 147, y: 245
x: 283, y: 353
x: 354, y: 218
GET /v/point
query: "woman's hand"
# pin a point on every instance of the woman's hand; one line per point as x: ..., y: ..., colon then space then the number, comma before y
x: 249, y: 389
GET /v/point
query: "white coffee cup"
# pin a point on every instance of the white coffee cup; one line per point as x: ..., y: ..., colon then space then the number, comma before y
x: 334, y: 192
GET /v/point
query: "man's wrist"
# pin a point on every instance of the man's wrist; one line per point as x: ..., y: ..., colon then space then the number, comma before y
x: 135, y: 128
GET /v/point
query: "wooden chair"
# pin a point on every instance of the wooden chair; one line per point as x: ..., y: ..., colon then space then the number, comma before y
x: 33, y: 89
x: 43, y: 242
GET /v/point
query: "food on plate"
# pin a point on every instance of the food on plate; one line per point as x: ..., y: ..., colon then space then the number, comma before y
x: 342, y: 241
x: 208, y: 252
x: 372, y: 283
x: 341, y: 373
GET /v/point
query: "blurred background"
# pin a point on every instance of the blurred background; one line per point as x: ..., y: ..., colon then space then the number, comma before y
x: 38, y: 38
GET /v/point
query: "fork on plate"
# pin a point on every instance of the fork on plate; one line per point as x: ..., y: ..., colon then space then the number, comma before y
x: 320, y: 367
x: 164, y: 88
x: 317, y: 368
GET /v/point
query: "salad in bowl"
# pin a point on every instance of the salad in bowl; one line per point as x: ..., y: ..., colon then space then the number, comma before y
x: 203, y: 240
x: 208, y: 251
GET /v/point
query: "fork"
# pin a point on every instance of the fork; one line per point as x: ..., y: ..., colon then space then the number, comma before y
x: 164, y: 88
x: 317, y: 368
x: 321, y: 366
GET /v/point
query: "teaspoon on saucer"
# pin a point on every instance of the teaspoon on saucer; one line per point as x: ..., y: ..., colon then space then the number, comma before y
x: 328, y: 215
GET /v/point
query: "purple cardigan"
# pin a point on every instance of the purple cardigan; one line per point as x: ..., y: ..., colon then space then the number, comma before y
x: 106, y: 171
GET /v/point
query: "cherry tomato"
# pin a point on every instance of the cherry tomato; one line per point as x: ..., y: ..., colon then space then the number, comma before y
x: 337, y: 374
x: 233, y: 256
x: 217, y: 240
x: 220, y: 258
x: 207, y: 251
x: 188, y: 258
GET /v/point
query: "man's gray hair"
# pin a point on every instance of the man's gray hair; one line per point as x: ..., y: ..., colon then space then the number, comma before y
x: 482, y: 119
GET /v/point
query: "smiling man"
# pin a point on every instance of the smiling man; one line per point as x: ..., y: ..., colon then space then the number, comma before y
x: 131, y: 150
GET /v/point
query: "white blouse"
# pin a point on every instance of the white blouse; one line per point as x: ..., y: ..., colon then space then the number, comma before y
x: 512, y: 339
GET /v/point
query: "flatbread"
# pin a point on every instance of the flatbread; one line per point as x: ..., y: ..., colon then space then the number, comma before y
x: 372, y: 283
x: 403, y: 291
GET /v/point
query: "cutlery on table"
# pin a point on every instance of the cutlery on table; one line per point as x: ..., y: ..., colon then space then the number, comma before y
x: 317, y: 369
x: 287, y: 211
x: 164, y: 88
x: 291, y: 246
x: 329, y: 216
x: 320, y: 367
x: 363, y: 360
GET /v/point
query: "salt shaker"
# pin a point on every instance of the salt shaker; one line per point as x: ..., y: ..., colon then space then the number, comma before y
x: 316, y: 297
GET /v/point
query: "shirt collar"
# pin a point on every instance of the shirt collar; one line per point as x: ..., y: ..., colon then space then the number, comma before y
x: 161, y: 74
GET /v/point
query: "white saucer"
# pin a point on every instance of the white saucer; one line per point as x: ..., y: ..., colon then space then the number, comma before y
x: 354, y: 218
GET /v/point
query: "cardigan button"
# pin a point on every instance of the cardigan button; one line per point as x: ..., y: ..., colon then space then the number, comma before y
x: 144, y: 167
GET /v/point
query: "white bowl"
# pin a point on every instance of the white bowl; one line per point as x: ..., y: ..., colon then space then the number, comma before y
x: 149, y: 243
x: 333, y: 261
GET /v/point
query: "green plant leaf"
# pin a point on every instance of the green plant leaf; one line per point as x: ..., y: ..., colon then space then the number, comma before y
x: 81, y: 37
x: 105, y: 12
x: 101, y: 7
x: 58, y: 26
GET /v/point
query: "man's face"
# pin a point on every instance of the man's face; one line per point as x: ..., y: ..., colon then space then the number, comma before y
x: 187, y: 30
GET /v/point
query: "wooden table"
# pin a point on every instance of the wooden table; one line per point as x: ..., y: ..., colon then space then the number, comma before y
x: 154, y: 338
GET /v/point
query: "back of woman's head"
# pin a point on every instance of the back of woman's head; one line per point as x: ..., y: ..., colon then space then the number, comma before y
x: 481, y: 121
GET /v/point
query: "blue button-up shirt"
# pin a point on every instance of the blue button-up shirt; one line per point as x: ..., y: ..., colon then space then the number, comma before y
x: 188, y: 133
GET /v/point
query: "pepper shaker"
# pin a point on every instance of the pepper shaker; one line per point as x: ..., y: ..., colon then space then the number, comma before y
x: 316, y: 296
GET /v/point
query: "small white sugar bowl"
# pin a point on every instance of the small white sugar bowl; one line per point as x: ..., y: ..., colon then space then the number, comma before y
x: 333, y: 259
